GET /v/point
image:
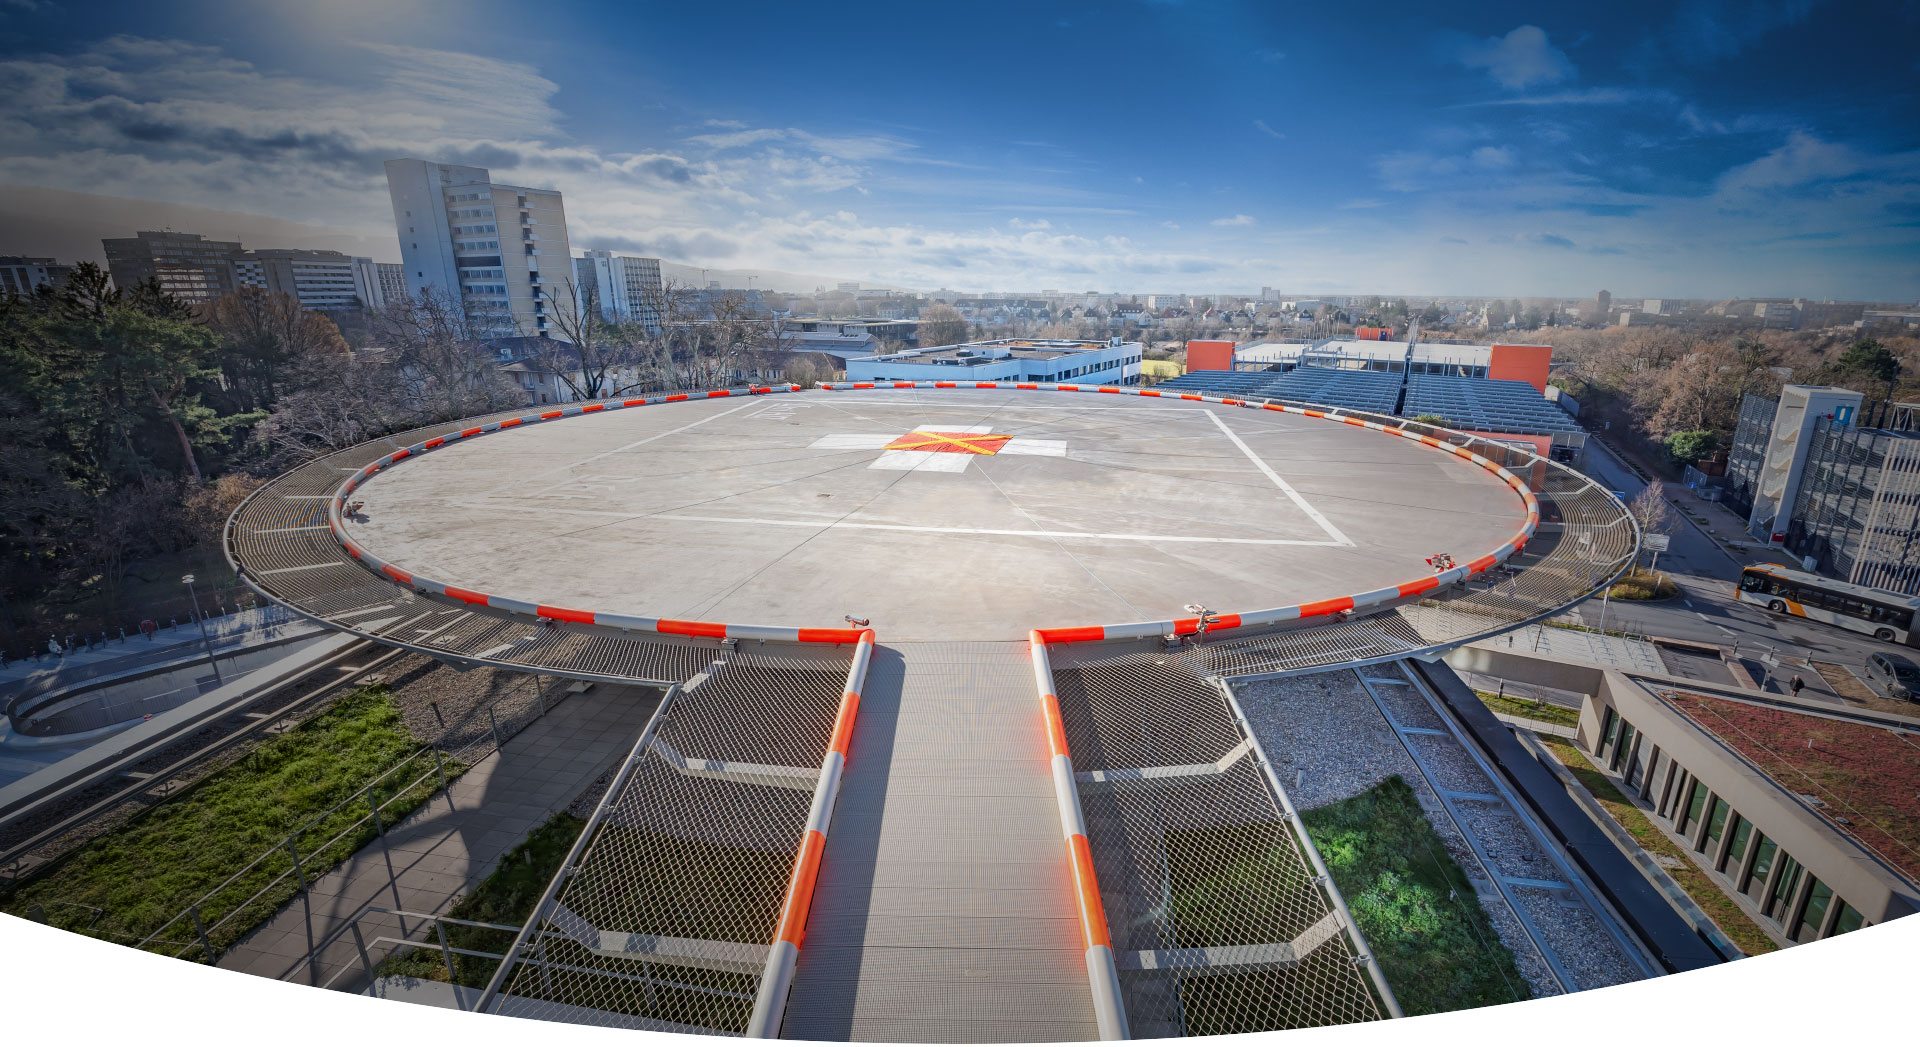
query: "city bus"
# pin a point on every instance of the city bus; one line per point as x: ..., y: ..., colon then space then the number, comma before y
x: 1882, y: 614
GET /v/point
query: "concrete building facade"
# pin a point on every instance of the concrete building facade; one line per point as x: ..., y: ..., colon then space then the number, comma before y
x: 20, y: 275
x: 187, y: 265
x: 1773, y: 848
x: 325, y: 280
x: 625, y: 287
x: 501, y: 250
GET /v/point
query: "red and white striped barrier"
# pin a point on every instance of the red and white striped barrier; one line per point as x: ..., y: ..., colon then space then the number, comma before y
x: 1104, y: 978
x: 336, y: 507
x: 770, y: 1000
x: 1273, y: 615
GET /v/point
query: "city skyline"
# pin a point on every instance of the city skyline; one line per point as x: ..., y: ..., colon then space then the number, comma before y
x: 1699, y: 154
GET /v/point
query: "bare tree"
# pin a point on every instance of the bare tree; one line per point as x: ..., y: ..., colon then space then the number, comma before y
x: 436, y: 345
x: 593, y: 357
x: 942, y: 325
x: 267, y: 342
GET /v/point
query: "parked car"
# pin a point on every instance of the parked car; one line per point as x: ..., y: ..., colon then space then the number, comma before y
x: 1893, y: 676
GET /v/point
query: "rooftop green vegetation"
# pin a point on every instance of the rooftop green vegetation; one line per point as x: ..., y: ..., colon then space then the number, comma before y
x: 130, y: 882
x: 1413, y: 903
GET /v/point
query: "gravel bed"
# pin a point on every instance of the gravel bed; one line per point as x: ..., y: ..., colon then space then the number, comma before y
x: 1452, y: 768
x: 1585, y: 948
x: 1510, y: 847
x: 1325, y: 730
x: 420, y: 684
x: 1324, y: 736
x: 1409, y: 707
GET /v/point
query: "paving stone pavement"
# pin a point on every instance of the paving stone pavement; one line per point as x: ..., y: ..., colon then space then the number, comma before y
x: 444, y: 848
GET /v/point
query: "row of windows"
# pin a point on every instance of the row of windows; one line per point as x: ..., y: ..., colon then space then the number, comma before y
x: 461, y: 198
x: 477, y: 245
x: 1798, y: 903
x: 475, y: 230
x: 484, y: 288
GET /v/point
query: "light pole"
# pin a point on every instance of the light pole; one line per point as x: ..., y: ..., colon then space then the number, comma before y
x: 187, y: 580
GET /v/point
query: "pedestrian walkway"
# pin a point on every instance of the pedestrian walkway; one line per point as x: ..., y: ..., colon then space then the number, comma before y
x: 1546, y: 641
x: 121, y: 654
x: 944, y: 910
x: 443, y: 849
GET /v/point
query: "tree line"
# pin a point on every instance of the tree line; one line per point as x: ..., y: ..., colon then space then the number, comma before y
x: 132, y: 423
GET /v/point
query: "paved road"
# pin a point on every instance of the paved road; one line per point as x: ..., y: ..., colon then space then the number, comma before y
x: 1706, y: 574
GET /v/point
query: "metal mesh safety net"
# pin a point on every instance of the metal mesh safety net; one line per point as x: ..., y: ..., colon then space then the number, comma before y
x: 1219, y: 924
x: 666, y: 920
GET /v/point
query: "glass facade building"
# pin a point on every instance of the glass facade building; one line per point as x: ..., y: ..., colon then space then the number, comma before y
x: 1857, y: 512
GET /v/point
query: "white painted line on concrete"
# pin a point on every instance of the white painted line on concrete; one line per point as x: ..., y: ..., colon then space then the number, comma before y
x: 1726, y: 630
x: 647, y: 440
x: 292, y: 530
x: 853, y: 442
x: 1285, y: 487
x: 1043, y: 448
x: 816, y: 524
x: 922, y: 461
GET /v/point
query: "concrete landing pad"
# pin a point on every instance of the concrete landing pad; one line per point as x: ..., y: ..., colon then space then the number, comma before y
x: 937, y: 514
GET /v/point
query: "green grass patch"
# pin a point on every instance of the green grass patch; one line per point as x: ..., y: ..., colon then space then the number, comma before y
x: 507, y: 896
x: 1413, y: 903
x: 1699, y: 886
x: 130, y: 882
x: 1527, y: 708
x: 1642, y: 584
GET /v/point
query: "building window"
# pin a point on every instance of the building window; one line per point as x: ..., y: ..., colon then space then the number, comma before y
x: 1625, y: 747
x: 1755, y: 884
x: 1696, y: 804
x: 1737, y: 841
x: 1609, y: 726
x: 1785, y: 886
x: 1848, y: 919
x: 1716, y: 827
x: 1813, y: 914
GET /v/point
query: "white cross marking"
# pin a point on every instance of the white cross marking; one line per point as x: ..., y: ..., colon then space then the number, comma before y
x: 932, y: 461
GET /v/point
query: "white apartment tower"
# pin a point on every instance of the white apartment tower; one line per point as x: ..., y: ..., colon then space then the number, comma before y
x: 502, y: 248
x: 625, y: 287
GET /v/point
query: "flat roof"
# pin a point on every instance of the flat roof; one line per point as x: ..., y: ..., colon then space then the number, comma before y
x: 1043, y: 510
x: 1862, y: 778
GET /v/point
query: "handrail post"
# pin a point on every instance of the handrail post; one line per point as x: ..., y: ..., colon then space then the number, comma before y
x: 440, y: 769
x: 360, y: 946
x: 293, y: 849
x: 565, y: 870
x: 200, y: 929
x: 446, y: 951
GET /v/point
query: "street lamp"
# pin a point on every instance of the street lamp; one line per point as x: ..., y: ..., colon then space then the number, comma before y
x: 187, y: 580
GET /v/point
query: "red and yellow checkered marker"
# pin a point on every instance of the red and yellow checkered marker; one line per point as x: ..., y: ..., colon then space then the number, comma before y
x: 952, y: 443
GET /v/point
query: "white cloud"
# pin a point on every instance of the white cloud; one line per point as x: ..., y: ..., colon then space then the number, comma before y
x: 1261, y: 126
x: 1240, y: 220
x: 1037, y: 223
x: 1518, y: 60
x: 1492, y: 156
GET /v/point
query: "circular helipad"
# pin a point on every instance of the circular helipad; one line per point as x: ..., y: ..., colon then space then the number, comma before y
x: 934, y: 514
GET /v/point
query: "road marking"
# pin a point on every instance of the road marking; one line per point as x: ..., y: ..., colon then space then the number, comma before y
x: 1285, y: 487
x: 978, y: 530
x: 1689, y: 604
x: 1726, y: 630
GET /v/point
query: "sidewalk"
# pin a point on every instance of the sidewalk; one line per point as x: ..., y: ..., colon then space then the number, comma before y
x: 1579, y: 645
x: 436, y: 854
x: 233, y: 630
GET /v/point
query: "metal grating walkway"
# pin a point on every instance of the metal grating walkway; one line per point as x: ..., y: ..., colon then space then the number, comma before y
x: 944, y: 911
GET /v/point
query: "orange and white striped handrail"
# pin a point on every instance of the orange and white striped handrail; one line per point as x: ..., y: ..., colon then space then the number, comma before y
x: 770, y: 1000
x: 1109, y: 1013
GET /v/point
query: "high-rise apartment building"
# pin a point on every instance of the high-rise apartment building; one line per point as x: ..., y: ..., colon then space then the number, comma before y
x: 188, y: 265
x: 325, y: 280
x: 621, y: 286
x: 501, y: 249
x: 20, y: 275
x: 390, y: 283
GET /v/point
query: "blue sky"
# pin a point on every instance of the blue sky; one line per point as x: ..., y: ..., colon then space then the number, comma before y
x: 1704, y: 149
